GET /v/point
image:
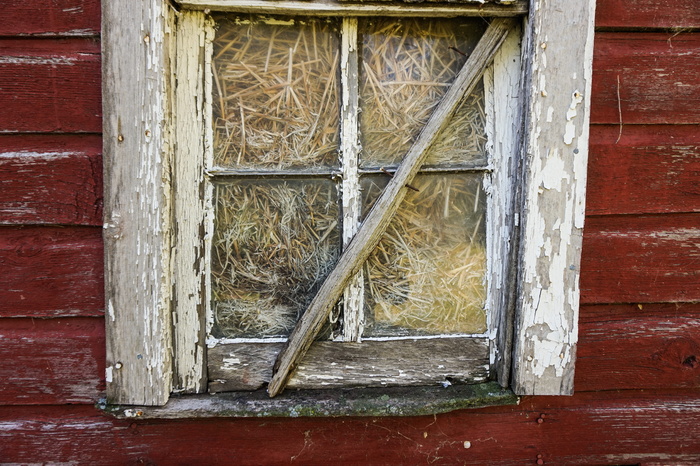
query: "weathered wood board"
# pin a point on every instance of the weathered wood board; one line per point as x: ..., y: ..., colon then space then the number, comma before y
x: 62, y: 18
x: 646, y: 259
x: 51, y: 361
x: 51, y: 271
x: 49, y: 179
x: 50, y: 86
x: 627, y: 14
x: 641, y: 169
x: 589, y: 428
x: 370, y: 364
x: 658, y: 78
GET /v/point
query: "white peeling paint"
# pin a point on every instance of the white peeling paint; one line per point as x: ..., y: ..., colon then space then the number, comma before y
x: 53, y: 61
x: 108, y: 374
x: 570, y: 134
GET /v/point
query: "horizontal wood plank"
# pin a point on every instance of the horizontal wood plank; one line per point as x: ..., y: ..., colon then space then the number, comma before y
x: 248, y: 366
x: 646, y: 259
x: 51, y: 17
x: 50, y: 86
x: 588, y: 428
x: 51, y: 271
x: 624, y: 14
x: 643, y: 169
x: 658, y: 78
x: 639, y: 353
x: 51, y: 180
x: 51, y: 361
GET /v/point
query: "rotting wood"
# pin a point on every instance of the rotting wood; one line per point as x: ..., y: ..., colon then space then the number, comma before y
x: 379, y: 217
x: 192, y: 195
x: 502, y: 84
x: 559, y: 51
x: 137, y: 203
x: 432, y: 361
x: 333, y: 8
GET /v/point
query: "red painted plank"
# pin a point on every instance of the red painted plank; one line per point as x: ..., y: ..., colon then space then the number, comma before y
x: 647, y: 14
x: 51, y: 271
x: 639, y: 353
x: 50, y: 86
x: 658, y: 74
x: 591, y: 428
x: 51, y: 180
x: 646, y: 169
x: 53, y: 361
x: 51, y: 17
x: 641, y: 259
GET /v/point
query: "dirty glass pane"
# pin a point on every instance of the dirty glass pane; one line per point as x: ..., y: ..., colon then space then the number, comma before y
x: 275, y: 94
x: 427, y: 275
x: 274, y: 243
x: 407, y: 66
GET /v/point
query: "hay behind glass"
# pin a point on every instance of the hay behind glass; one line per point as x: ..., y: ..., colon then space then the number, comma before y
x: 408, y: 65
x: 426, y: 276
x: 274, y: 243
x: 275, y: 94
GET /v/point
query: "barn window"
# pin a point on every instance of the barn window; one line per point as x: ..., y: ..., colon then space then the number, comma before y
x: 311, y: 195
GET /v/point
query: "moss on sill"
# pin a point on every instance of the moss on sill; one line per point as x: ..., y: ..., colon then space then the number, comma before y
x: 399, y: 401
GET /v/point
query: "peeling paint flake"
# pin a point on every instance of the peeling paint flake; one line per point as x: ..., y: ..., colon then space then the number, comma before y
x: 570, y: 134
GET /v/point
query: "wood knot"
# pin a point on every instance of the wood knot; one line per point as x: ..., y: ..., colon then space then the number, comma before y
x: 691, y: 362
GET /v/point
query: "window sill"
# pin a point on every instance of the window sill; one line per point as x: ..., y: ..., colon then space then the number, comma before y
x: 400, y: 401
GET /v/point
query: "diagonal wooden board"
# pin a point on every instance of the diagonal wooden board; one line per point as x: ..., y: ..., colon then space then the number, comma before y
x: 380, y: 216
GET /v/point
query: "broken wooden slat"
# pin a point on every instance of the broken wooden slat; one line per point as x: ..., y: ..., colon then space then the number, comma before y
x: 380, y: 216
x: 333, y: 8
x: 248, y: 366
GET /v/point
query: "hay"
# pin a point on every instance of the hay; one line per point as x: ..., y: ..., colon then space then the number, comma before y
x: 427, y: 274
x: 274, y: 242
x: 408, y: 66
x: 275, y: 94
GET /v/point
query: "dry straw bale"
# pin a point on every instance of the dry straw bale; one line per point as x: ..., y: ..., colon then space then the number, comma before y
x: 275, y: 94
x: 427, y: 273
x: 408, y: 65
x: 274, y: 243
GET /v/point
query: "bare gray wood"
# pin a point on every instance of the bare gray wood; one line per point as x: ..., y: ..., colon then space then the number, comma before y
x: 381, y: 214
x: 137, y: 205
x: 334, y: 8
x: 248, y: 366
x: 555, y: 151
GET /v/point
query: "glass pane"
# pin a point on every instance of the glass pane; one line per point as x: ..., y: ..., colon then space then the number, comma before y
x: 407, y: 67
x: 275, y: 94
x: 274, y: 243
x: 427, y: 275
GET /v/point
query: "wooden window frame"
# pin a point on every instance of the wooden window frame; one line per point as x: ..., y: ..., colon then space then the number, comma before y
x: 153, y: 349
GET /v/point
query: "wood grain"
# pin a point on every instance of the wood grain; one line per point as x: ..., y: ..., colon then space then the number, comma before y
x: 589, y: 428
x: 137, y: 157
x: 51, y: 17
x: 655, y: 352
x: 659, y: 83
x: 51, y: 271
x: 557, y: 65
x: 368, y: 364
x: 650, y: 169
x: 50, y: 86
x: 53, y: 361
x: 625, y: 14
x: 643, y: 259
x: 380, y: 216
x: 51, y: 180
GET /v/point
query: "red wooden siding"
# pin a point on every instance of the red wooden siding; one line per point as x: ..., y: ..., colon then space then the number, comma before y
x: 50, y: 85
x: 638, y: 369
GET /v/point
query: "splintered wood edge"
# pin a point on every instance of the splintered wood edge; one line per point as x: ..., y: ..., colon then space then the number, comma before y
x: 332, y: 8
x: 381, y: 214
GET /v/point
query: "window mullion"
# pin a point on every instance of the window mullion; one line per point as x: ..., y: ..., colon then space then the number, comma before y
x: 353, y: 297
